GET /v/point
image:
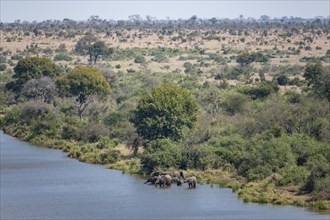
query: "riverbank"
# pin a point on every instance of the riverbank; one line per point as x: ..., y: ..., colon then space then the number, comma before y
x: 120, y: 157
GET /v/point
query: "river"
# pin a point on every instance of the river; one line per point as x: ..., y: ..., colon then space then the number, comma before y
x: 40, y: 183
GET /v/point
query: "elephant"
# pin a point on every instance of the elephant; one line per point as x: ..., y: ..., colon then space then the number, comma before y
x: 191, y: 182
x: 178, y: 174
x: 164, y: 180
x: 156, y: 173
x: 174, y: 174
x: 151, y: 180
x: 177, y: 181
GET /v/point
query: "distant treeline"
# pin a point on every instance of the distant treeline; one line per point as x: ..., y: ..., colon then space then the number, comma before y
x: 136, y: 21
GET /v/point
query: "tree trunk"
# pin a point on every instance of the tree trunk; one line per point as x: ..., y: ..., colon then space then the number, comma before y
x: 95, y: 58
x: 136, y: 144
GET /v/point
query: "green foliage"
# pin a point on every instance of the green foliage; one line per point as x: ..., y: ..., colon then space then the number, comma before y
x: 260, y: 91
x: 282, y: 80
x: 231, y: 149
x: 165, y: 113
x: 313, y: 74
x: 96, y: 49
x: 104, y: 142
x: 3, y: 67
x: 322, y: 188
x: 63, y: 57
x: 37, y: 118
x: 84, y: 83
x: 245, y: 58
x: 161, y: 154
x: 266, y: 158
x: 292, y: 175
x: 84, y: 43
x: 319, y: 167
x: 110, y: 156
x: 318, y: 79
x: 32, y: 68
x: 233, y: 103
x: 200, y: 157
x: 139, y: 59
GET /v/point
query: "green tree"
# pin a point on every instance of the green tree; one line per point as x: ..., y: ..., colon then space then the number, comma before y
x: 164, y: 113
x: 85, y: 84
x: 318, y: 79
x: 84, y: 43
x: 97, y: 49
x: 32, y: 68
x: 313, y: 74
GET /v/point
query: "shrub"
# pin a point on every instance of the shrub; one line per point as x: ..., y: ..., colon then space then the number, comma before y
x: 104, y: 142
x: 63, y: 57
x: 110, y: 156
x: 161, y: 153
x: 260, y: 91
x: 282, y: 80
x: 159, y: 58
x: 266, y: 158
x: 200, y: 157
x: 292, y: 175
x: 3, y: 67
x: 139, y: 59
x: 93, y: 131
x: 233, y: 103
x: 322, y: 189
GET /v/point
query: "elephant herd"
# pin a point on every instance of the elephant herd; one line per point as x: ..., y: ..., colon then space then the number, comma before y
x: 167, y: 178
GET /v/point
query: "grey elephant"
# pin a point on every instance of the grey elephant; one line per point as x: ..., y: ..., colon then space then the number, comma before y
x: 192, y: 181
x: 178, y: 174
x: 151, y: 180
x: 177, y: 181
x: 164, y: 180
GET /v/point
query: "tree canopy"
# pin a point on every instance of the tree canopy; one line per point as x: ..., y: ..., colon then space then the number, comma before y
x: 84, y: 43
x: 97, y: 49
x: 85, y: 84
x: 318, y: 79
x: 32, y: 68
x: 165, y: 112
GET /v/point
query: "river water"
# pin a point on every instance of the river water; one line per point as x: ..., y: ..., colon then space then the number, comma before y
x: 40, y: 183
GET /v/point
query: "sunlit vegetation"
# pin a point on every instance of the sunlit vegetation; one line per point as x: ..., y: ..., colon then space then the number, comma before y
x: 237, y: 103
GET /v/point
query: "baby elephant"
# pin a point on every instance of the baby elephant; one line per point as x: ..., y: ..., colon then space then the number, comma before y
x: 191, y: 182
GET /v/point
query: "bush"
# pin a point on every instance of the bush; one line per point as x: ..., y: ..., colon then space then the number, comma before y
x: 139, y: 59
x: 63, y: 57
x: 110, y: 156
x: 260, y: 91
x: 265, y: 158
x: 161, y: 154
x: 233, y: 103
x: 92, y: 132
x: 292, y: 175
x: 104, y: 142
x: 200, y: 157
x: 3, y: 67
x: 282, y: 80
x: 231, y: 149
x: 159, y: 58
x: 322, y: 189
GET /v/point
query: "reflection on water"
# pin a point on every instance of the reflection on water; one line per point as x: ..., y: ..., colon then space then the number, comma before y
x: 41, y: 183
